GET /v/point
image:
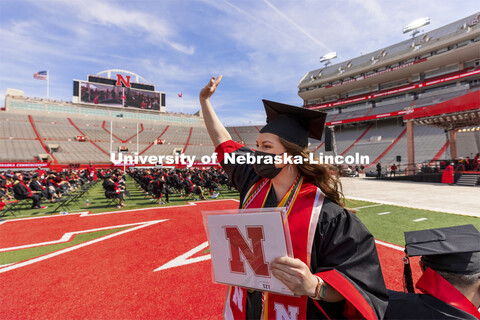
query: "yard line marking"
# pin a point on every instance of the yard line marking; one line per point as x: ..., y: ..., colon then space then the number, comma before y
x: 90, y: 214
x: 81, y: 245
x: 382, y: 213
x: 421, y: 219
x: 389, y: 245
x: 69, y: 236
x: 4, y: 265
x: 370, y: 206
x: 185, y: 259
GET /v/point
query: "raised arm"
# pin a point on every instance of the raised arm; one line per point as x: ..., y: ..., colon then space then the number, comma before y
x: 215, y: 128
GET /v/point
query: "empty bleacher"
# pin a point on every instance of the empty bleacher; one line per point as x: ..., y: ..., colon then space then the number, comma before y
x: 377, y: 140
x: 428, y: 142
x: 20, y: 150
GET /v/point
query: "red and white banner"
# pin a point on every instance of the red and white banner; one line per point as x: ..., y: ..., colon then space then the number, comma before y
x: 397, y: 90
x: 23, y: 165
x: 377, y: 116
x: 244, y: 244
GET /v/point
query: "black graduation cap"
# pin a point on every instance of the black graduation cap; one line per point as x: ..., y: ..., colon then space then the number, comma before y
x: 452, y: 249
x: 26, y: 177
x: 108, y: 175
x: 293, y: 124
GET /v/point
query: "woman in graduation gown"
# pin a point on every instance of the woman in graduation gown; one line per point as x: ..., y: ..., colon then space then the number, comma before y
x: 336, y: 272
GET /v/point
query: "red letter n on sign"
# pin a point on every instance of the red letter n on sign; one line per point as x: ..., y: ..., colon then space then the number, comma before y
x: 121, y: 80
x: 253, y: 254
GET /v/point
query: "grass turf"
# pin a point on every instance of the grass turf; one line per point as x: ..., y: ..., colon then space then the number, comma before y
x: 29, y: 253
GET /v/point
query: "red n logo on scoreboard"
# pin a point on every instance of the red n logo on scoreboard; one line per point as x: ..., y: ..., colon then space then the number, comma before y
x: 254, y: 254
x: 121, y: 80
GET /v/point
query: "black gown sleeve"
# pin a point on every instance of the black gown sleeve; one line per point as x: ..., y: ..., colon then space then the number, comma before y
x: 243, y: 176
x: 344, y: 246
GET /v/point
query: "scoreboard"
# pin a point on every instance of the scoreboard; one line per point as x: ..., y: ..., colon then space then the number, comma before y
x: 119, y: 92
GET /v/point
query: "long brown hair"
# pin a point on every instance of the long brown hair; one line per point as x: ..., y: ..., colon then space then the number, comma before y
x: 324, y: 176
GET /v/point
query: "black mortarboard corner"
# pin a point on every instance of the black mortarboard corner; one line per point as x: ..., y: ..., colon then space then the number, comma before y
x: 293, y: 124
x: 452, y: 249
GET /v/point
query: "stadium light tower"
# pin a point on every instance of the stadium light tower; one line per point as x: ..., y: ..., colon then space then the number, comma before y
x: 328, y: 57
x: 415, y: 25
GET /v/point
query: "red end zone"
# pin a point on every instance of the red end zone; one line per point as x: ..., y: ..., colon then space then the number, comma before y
x: 113, y: 277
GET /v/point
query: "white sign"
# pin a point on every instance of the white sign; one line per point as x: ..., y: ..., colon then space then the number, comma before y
x: 243, y: 246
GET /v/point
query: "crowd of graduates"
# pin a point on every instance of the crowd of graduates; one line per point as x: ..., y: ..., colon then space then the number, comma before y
x: 161, y: 182
x: 41, y: 185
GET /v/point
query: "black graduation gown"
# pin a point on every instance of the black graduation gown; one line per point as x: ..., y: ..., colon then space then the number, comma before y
x: 110, y: 189
x: 21, y: 192
x: 421, y: 306
x: 36, y: 186
x: 341, y: 242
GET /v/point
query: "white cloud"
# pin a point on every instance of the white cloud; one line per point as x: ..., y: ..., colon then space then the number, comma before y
x: 157, y: 29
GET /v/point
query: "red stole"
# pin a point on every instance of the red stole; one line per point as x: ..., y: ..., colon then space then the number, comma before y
x: 433, y: 284
x: 303, y: 202
x: 28, y: 189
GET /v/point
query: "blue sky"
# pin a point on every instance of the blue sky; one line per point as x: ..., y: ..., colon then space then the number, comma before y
x: 262, y: 48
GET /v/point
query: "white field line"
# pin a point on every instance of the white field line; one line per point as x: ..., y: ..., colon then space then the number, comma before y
x: 420, y: 219
x: 184, y: 258
x: 382, y: 213
x: 390, y: 245
x: 89, y: 214
x: 68, y: 236
x: 370, y: 206
x: 81, y: 245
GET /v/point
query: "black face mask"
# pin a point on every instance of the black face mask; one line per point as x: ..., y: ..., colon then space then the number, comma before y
x: 266, y: 170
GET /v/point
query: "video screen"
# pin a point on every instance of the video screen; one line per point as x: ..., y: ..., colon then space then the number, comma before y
x: 121, y: 97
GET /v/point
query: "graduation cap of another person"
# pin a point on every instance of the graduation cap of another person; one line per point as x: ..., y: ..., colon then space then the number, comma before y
x: 294, y: 124
x: 452, y: 249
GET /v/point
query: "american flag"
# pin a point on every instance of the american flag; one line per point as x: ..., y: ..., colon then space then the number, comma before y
x: 41, y: 75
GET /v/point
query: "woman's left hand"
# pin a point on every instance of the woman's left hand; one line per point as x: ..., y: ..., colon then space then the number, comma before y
x: 295, y: 274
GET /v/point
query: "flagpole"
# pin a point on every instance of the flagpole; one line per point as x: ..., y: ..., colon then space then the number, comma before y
x: 111, y: 136
x: 48, y: 84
